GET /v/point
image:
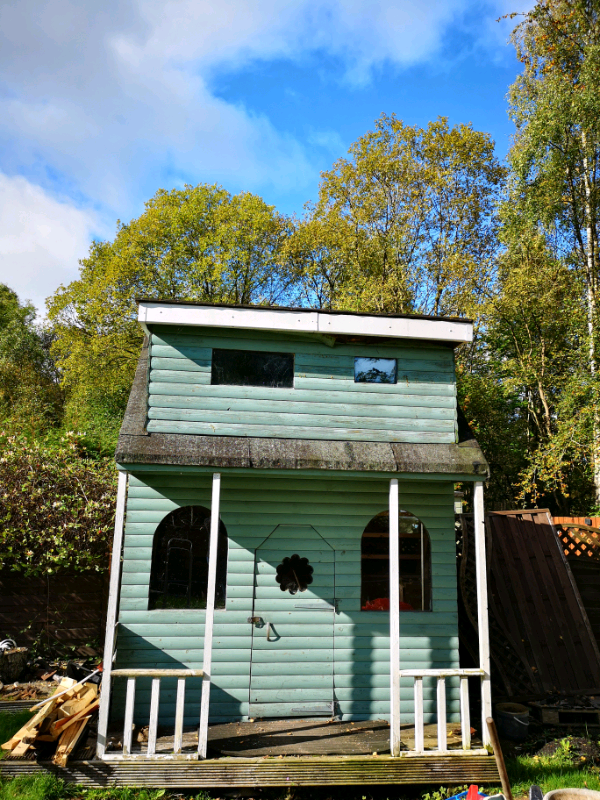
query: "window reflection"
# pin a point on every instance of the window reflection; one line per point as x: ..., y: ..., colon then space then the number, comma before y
x: 375, y: 370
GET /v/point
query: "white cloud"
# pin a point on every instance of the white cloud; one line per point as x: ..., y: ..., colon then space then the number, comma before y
x: 41, y: 239
x: 115, y: 95
x: 107, y: 100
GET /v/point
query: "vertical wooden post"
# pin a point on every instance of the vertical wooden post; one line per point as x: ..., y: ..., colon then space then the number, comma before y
x: 394, y: 620
x: 482, y: 610
x: 210, y: 614
x: 111, y: 615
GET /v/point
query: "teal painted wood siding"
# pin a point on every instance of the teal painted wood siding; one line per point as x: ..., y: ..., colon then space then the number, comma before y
x: 325, y: 403
x: 252, y: 506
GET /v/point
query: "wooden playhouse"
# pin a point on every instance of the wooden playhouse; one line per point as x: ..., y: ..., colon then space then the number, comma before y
x: 285, y: 553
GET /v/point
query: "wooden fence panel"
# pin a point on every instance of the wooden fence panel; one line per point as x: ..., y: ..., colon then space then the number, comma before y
x: 64, y: 613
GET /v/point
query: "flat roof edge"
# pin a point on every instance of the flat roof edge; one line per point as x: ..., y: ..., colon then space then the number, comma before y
x: 443, y: 329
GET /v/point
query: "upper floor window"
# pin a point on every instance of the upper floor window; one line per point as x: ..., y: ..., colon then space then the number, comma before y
x: 375, y: 370
x: 252, y: 368
x: 179, y: 572
x: 415, y: 564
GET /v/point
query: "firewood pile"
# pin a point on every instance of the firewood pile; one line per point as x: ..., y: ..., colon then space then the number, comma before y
x: 62, y: 718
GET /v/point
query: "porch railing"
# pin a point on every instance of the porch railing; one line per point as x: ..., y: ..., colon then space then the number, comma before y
x: 442, y: 732
x: 156, y: 675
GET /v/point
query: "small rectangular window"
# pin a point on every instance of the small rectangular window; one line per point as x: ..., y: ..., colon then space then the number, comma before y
x: 252, y: 368
x: 375, y: 370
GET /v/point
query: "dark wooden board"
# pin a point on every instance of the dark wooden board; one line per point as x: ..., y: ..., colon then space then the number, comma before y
x: 540, y: 635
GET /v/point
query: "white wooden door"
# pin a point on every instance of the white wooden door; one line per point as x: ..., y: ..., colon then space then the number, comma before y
x: 292, y: 638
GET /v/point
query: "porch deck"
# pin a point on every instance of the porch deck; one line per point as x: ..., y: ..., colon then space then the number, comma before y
x: 309, y: 752
x: 297, y: 737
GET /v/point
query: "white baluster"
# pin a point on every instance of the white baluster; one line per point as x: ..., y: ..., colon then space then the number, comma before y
x: 419, y: 723
x: 129, y: 707
x: 441, y: 715
x: 465, y: 715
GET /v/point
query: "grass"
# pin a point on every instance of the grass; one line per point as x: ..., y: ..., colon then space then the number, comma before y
x: 10, y: 724
x: 562, y: 769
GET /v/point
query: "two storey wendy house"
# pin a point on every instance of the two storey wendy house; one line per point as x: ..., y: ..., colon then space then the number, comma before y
x: 284, y: 566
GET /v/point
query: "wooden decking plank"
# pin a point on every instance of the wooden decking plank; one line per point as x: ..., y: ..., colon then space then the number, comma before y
x: 236, y: 772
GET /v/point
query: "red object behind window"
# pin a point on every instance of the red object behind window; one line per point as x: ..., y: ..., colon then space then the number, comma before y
x: 383, y: 604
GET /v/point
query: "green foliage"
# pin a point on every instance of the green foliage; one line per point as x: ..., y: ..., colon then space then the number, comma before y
x: 196, y: 243
x: 405, y: 224
x: 30, y: 397
x: 442, y: 793
x: 555, y: 189
x: 56, y: 506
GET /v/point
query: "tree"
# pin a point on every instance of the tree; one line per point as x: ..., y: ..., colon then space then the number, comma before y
x: 555, y: 160
x: 196, y: 243
x: 526, y: 365
x: 407, y: 223
x: 30, y: 397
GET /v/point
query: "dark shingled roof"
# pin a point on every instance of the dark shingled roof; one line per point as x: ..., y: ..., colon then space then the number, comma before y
x: 137, y: 446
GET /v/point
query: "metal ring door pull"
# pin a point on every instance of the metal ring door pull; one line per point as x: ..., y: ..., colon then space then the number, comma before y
x: 269, y: 632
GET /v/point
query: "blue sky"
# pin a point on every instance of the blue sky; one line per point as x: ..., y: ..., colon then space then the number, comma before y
x: 102, y: 102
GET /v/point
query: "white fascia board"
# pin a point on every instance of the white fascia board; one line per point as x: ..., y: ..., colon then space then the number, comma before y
x: 273, y: 319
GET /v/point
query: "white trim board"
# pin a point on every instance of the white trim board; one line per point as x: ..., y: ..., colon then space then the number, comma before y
x: 317, y: 322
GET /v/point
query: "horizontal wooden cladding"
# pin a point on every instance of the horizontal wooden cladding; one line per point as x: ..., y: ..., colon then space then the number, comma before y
x: 238, y: 772
x: 153, y: 512
x: 198, y: 384
x: 187, y: 622
x: 296, y: 411
x: 310, y: 342
x: 412, y: 420
x: 169, y: 384
x: 201, y: 483
x: 202, y: 344
x: 356, y: 434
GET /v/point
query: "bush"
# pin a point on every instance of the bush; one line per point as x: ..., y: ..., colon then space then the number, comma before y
x: 56, y: 506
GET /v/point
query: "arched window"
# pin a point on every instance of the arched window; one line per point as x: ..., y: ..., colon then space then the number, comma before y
x: 179, y: 573
x: 415, y: 564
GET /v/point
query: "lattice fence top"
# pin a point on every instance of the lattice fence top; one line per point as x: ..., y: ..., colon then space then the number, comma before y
x: 580, y: 536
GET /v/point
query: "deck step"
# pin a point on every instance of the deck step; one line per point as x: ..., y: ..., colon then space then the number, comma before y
x: 279, y: 771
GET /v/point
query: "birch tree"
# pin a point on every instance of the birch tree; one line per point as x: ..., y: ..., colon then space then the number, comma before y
x: 555, y: 160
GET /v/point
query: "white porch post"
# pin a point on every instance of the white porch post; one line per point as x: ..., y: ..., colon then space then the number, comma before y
x: 111, y: 616
x: 210, y: 614
x: 394, y: 620
x: 482, y: 609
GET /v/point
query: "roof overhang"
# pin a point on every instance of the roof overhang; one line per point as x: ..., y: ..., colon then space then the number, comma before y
x: 451, y: 330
